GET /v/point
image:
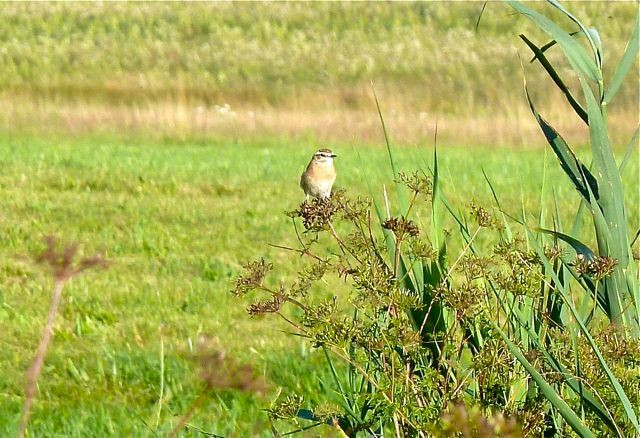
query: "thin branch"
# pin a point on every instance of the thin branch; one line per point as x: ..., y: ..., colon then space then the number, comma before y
x: 36, y: 366
x: 183, y: 421
x: 302, y: 252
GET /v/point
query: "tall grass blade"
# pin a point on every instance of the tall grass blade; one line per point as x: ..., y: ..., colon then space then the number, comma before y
x: 578, y: 173
x: 547, y: 390
x: 484, y: 5
x: 402, y: 199
x: 586, y: 252
x: 576, y: 360
x: 611, y: 197
x: 611, y: 226
x: 347, y: 404
x: 437, y: 231
x: 631, y: 148
x: 578, y: 57
x: 507, y: 227
x: 619, y: 391
x: 591, y: 34
x: 550, y: 44
x: 625, y: 64
x: 574, y: 383
x: 578, y: 247
x: 539, y: 55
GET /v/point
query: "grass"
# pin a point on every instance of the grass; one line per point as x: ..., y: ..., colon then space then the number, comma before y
x: 284, y: 67
x: 115, y: 135
x: 268, y: 53
x: 179, y: 220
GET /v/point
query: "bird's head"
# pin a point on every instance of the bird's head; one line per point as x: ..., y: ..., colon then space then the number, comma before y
x: 324, y: 156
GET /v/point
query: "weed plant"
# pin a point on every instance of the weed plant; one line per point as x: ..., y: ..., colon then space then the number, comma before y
x: 537, y: 335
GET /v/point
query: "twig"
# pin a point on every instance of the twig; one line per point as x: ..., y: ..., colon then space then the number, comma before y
x: 62, y: 265
x: 161, y: 395
x: 36, y: 366
x: 344, y: 248
x: 302, y: 252
x: 183, y: 421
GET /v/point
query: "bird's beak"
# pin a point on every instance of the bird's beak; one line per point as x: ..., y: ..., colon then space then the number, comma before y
x: 333, y: 155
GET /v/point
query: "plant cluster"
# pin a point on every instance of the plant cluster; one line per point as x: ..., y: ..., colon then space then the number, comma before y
x: 421, y: 332
x: 536, y: 337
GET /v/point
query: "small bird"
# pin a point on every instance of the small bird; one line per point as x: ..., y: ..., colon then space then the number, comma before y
x: 320, y: 175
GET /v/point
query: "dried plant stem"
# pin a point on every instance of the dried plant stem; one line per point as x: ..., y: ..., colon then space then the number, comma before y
x: 302, y: 252
x: 36, y: 366
x: 161, y: 395
x: 187, y: 416
x: 344, y: 248
x: 397, y: 426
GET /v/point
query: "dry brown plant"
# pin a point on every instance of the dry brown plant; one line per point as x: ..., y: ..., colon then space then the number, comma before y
x: 63, y: 265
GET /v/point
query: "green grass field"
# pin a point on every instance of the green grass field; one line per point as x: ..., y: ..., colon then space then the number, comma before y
x: 178, y: 221
x: 165, y: 70
x: 270, y: 54
x: 114, y: 134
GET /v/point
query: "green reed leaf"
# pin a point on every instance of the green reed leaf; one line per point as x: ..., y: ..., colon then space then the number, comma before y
x: 547, y: 390
x: 625, y: 64
x: 580, y: 176
x: 578, y: 57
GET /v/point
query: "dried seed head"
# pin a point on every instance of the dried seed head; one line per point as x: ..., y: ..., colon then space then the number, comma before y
x: 353, y: 210
x: 422, y: 250
x: 307, y: 277
x: 287, y: 408
x: 317, y: 214
x: 619, y: 344
x: 473, y: 266
x: 267, y: 306
x: 483, y: 217
x: 401, y: 226
x: 602, y: 266
x: 596, y: 268
x: 253, y: 276
x: 581, y: 265
x: 466, y: 300
x: 61, y: 261
x: 553, y: 252
x: 417, y: 182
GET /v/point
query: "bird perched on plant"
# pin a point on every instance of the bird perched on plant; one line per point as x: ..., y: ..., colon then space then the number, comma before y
x: 320, y: 175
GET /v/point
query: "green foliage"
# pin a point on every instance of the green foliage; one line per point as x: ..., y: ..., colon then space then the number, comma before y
x: 535, y: 326
x: 179, y: 221
x: 421, y: 331
x: 409, y: 315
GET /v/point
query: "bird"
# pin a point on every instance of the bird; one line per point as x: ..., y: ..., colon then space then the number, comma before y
x: 317, y: 180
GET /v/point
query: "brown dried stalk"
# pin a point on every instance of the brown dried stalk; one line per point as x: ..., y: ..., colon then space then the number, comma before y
x: 63, y: 269
x: 220, y: 372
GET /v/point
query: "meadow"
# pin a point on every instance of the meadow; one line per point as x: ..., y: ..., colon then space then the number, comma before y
x: 184, y: 71
x: 116, y: 136
x: 178, y: 222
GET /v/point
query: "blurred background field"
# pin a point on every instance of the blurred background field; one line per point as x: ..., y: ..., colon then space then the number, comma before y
x: 208, y: 70
x: 171, y: 136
